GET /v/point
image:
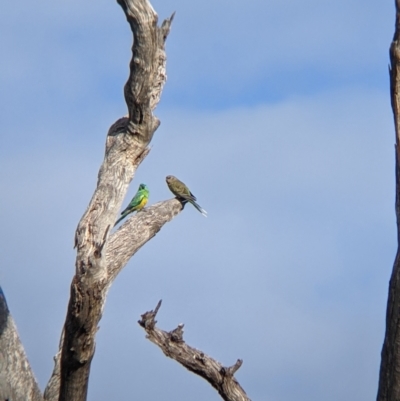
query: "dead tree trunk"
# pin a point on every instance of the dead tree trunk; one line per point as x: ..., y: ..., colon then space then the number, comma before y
x: 101, y: 255
x: 389, y: 376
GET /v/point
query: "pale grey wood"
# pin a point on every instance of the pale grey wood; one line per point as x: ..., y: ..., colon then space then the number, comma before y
x: 101, y: 253
x: 122, y: 245
x: 52, y: 390
x: 17, y: 381
x: 126, y: 146
x: 136, y: 231
x: 172, y: 344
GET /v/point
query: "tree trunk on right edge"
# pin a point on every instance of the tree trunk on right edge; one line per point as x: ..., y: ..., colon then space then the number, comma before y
x: 389, y: 376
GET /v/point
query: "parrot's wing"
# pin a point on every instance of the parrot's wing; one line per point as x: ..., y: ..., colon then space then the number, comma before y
x: 192, y: 196
x: 187, y: 198
x: 185, y: 193
x: 134, y: 202
x: 137, y: 200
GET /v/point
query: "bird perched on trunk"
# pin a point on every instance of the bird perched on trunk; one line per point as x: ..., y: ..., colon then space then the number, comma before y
x: 182, y: 192
x: 137, y: 203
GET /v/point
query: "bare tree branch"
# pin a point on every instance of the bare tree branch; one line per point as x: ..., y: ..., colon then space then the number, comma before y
x: 17, y: 382
x: 173, y: 346
x: 136, y: 231
x: 389, y: 376
x: 122, y: 245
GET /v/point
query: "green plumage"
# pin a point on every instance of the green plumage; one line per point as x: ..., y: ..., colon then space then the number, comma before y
x: 137, y: 203
x: 182, y: 192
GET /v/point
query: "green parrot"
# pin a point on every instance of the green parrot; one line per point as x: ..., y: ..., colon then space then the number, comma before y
x: 182, y: 192
x: 137, y: 203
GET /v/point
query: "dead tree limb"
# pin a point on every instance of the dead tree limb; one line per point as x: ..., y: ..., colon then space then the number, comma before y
x: 139, y: 229
x: 389, y: 376
x: 121, y: 246
x: 99, y: 257
x: 172, y: 345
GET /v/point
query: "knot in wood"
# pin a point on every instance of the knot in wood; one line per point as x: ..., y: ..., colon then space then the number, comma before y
x: 200, y: 357
x: 176, y: 335
x: 148, y: 320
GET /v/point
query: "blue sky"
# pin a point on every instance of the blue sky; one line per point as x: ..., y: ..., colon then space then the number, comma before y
x: 277, y: 115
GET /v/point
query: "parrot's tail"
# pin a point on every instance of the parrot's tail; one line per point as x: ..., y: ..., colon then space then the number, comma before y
x: 199, y: 208
x: 121, y: 218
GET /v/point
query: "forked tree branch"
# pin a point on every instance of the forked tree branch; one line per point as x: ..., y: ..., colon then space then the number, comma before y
x: 389, y: 375
x: 100, y: 256
x: 122, y: 245
x: 136, y: 231
x: 172, y: 344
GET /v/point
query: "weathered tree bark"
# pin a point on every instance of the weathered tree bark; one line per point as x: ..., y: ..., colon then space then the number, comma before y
x: 100, y: 256
x: 389, y: 376
x: 17, y: 382
x: 172, y: 344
